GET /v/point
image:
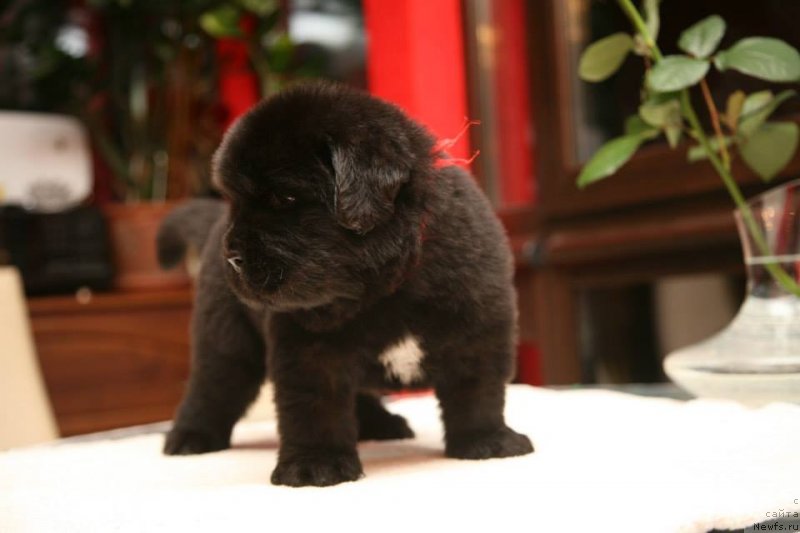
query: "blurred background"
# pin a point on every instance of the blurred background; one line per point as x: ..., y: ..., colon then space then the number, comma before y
x: 111, y: 109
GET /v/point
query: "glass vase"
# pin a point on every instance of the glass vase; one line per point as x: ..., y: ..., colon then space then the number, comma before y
x: 756, y: 358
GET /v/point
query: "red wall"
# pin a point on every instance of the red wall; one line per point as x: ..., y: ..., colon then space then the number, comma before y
x: 415, y: 58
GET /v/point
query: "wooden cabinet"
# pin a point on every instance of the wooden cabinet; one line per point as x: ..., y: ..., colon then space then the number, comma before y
x: 113, y: 360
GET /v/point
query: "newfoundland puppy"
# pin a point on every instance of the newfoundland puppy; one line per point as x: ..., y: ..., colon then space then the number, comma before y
x: 350, y: 259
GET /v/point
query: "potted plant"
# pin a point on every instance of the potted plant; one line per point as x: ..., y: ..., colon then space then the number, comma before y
x: 154, y: 111
x: 757, y: 357
x: 143, y: 77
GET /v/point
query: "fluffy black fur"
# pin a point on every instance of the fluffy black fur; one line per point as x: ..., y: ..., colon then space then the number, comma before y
x: 342, y: 238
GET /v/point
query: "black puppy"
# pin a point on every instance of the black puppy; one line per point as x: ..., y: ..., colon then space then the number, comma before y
x: 356, y: 262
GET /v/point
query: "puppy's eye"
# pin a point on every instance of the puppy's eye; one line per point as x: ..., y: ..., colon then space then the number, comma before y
x: 280, y: 201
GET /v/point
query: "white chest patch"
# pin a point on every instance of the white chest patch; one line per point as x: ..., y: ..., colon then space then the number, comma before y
x: 402, y: 360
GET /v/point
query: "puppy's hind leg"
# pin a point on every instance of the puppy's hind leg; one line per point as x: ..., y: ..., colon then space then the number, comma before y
x: 376, y: 423
x: 228, y: 368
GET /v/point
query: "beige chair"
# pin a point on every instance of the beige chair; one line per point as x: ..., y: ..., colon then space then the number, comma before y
x: 26, y: 416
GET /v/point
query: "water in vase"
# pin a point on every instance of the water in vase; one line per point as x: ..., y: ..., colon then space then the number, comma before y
x: 756, y: 358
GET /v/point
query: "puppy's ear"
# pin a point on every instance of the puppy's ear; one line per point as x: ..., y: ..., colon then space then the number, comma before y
x: 366, y: 186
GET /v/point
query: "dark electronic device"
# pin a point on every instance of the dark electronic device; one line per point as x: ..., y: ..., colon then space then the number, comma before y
x: 56, y: 252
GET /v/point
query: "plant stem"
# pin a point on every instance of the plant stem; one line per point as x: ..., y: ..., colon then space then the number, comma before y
x: 633, y: 14
x: 714, y: 114
x: 775, y: 270
x: 260, y: 64
x: 110, y: 153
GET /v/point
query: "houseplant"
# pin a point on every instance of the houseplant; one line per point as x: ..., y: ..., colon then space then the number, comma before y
x: 149, y: 98
x: 151, y: 114
x: 757, y: 358
x: 143, y: 76
x: 155, y: 85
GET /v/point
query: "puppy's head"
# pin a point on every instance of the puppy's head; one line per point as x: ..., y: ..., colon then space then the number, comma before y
x: 326, y: 187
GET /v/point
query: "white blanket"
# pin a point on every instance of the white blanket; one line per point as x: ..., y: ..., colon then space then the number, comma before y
x: 604, y: 461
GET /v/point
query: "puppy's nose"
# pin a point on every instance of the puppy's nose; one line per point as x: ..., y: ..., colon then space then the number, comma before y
x: 236, y: 263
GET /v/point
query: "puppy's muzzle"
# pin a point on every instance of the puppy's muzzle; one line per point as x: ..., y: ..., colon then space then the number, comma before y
x: 235, y: 261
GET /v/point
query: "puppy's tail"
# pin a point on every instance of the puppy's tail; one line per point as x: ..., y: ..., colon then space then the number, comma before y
x: 187, y: 225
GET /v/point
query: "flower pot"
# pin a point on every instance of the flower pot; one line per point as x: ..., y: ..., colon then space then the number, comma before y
x: 133, y: 228
x: 756, y: 358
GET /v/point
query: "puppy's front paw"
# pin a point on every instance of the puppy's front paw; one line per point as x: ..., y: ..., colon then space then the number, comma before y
x: 190, y: 441
x: 320, y: 469
x: 504, y: 442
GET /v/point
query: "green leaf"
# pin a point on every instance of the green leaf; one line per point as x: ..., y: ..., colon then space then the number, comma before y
x: 702, y: 38
x: 770, y: 148
x: 756, y: 101
x: 733, y: 109
x: 674, y: 134
x: 676, y: 72
x: 634, y: 125
x: 661, y: 114
x: 762, y: 57
x: 221, y: 22
x: 602, y: 58
x: 662, y: 97
x: 698, y: 153
x: 260, y: 7
x: 753, y: 117
x: 665, y: 115
x: 609, y: 158
x: 281, y: 53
